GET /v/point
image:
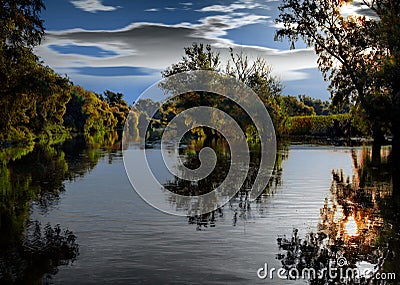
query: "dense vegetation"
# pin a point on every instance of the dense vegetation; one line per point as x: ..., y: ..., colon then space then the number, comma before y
x: 36, y: 102
x: 334, y: 126
x: 298, y: 116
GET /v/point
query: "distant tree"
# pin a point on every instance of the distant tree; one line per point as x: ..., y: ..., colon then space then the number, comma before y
x: 295, y: 107
x: 320, y: 107
x: 112, y: 97
x: 88, y: 114
x: 119, y: 106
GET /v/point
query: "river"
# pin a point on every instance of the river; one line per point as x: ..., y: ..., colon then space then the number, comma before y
x: 124, y: 240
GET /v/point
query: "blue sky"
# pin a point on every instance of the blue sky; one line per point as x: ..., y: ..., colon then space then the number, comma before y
x: 123, y: 45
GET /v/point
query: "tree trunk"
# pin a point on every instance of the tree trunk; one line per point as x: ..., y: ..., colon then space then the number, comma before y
x: 395, y: 153
x: 379, y: 139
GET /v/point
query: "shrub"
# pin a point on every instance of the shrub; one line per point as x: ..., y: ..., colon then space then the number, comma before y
x: 335, y: 125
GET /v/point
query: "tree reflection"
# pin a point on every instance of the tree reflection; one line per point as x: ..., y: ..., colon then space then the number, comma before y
x: 36, y: 173
x: 359, y: 222
x: 240, y: 207
x: 41, y: 251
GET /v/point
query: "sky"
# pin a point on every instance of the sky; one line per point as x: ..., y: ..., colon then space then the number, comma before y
x: 123, y: 45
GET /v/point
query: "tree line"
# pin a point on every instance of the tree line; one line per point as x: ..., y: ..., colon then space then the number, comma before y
x: 290, y: 114
x: 35, y: 101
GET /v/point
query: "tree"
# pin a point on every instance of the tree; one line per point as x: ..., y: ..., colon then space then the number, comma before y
x: 354, y: 53
x: 113, y: 98
x: 296, y: 107
x: 320, y: 107
x: 197, y: 57
x: 87, y: 113
x: 32, y: 96
x: 21, y: 30
x: 119, y: 106
x: 257, y: 75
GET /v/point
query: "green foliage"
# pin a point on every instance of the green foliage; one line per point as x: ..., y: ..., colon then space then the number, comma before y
x: 21, y: 25
x: 357, y: 54
x: 87, y: 113
x: 338, y: 125
x: 32, y: 96
x: 197, y: 57
x: 320, y: 107
x: 255, y: 74
x: 119, y: 107
x: 296, y: 107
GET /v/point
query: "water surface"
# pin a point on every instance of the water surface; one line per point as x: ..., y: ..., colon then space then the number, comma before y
x: 123, y: 240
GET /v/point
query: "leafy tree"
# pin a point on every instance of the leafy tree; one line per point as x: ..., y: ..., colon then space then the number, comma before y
x: 112, y: 97
x: 295, y: 107
x: 320, y: 107
x: 119, y: 106
x: 88, y: 114
x: 356, y: 53
x: 257, y: 75
x: 32, y: 96
x: 197, y: 57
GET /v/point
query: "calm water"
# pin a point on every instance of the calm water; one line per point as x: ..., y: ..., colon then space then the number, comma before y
x: 123, y: 240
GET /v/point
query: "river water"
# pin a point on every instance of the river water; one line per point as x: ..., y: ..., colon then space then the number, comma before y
x: 123, y: 240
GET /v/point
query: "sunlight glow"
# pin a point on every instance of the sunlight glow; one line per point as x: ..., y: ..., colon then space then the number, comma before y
x: 338, y: 214
x: 351, y: 227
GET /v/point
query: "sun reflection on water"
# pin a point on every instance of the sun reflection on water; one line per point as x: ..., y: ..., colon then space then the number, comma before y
x: 351, y: 227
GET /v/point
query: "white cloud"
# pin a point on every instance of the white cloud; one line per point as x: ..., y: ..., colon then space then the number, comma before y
x: 240, y: 5
x: 158, y: 46
x: 222, y: 8
x: 152, y: 10
x: 92, y: 6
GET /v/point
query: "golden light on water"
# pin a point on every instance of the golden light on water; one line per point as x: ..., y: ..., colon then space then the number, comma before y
x: 351, y: 227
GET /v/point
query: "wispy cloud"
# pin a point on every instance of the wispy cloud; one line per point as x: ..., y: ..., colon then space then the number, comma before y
x: 114, y: 71
x: 227, y: 8
x: 240, y: 5
x: 92, y: 6
x: 157, y: 46
x: 152, y: 10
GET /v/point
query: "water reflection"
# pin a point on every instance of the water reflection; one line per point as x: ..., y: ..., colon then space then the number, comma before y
x: 35, y: 174
x: 240, y: 205
x: 359, y: 222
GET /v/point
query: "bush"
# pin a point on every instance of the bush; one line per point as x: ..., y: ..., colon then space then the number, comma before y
x: 338, y: 125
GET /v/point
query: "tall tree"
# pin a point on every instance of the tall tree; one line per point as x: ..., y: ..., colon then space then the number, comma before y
x: 256, y: 74
x: 32, y: 96
x: 353, y: 52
